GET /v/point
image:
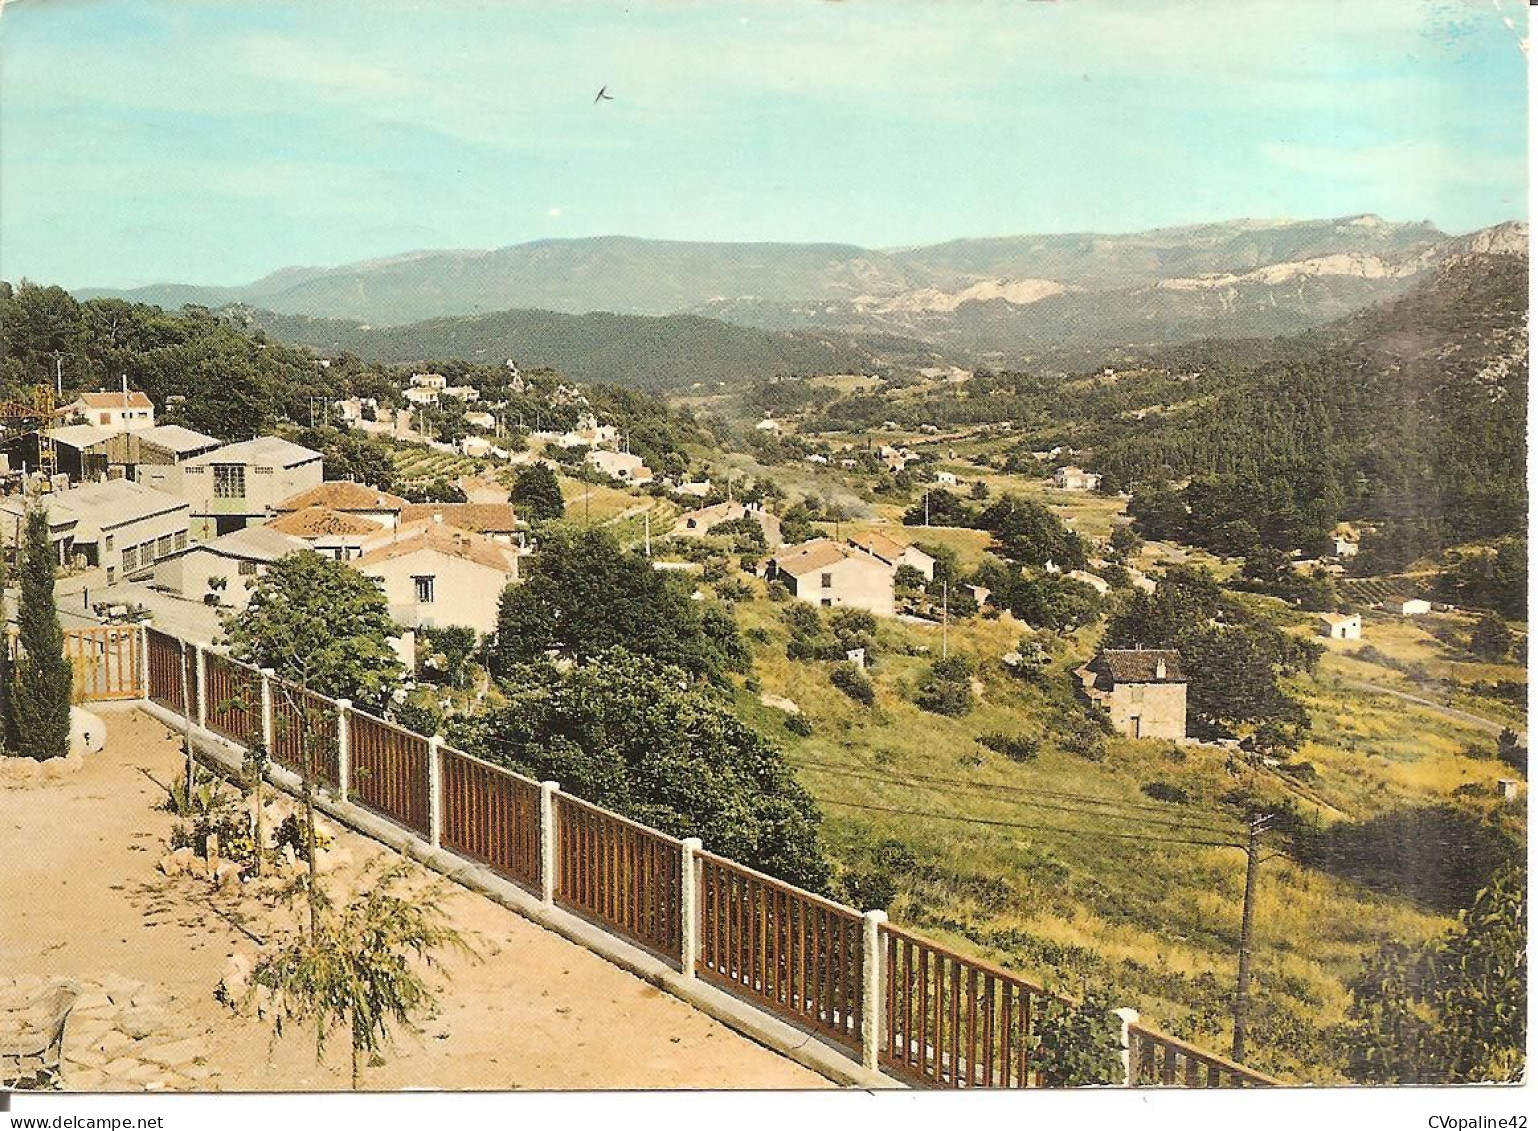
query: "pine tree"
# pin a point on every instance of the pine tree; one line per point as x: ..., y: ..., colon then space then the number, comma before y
x: 44, y: 681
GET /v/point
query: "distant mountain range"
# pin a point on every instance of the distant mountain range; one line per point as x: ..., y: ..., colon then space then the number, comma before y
x: 1001, y: 300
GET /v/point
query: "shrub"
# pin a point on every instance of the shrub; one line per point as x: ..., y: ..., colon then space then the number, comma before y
x: 798, y: 724
x: 1015, y: 747
x: 1080, y: 1045
x: 1166, y: 791
x: 853, y: 682
x: 1084, y: 739
x: 947, y: 689
x: 778, y: 592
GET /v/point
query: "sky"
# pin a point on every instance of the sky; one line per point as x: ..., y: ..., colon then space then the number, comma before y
x: 210, y: 142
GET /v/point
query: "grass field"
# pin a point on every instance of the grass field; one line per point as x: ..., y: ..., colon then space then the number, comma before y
x: 1064, y: 869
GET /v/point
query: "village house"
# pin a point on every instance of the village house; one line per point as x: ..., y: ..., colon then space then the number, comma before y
x: 945, y: 479
x: 118, y: 526
x: 118, y: 411
x: 497, y: 521
x: 620, y: 465
x: 465, y: 393
x: 1338, y: 626
x: 1143, y: 689
x: 421, y: 396
x: 894, y: 553
x: 434, y: 575
x: 224, y: 569
x: 823, y: 572
x: 1405, y: 606
x: 346, y: 497
x: 697, y: 489
x: 148, y: 455
x: 696, y: 523
x: 481, y: 420
x: 238, y: 484
x: 768, y: 424
x: 435, y: 381
x: 1073, y: 478
x: 1343, y: 547
x: 339, y: 536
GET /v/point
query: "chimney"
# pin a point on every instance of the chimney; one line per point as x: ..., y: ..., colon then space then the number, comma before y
x: 1159, y: 669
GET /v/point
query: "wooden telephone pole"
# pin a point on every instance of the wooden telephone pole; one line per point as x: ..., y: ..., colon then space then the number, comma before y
x: 1258, y: 824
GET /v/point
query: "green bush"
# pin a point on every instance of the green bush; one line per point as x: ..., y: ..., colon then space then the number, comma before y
x: 1080, y: 1045
x: 798, y: 724
x: 947, y: 689
x: 1166, y: 791
x: 1015, y: 747
x: 852, y: 681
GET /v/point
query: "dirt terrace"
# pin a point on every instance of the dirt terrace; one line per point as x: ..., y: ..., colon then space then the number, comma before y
x: 82, y: 898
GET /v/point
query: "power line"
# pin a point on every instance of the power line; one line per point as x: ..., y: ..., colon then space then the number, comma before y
x: 1158, y: 818
x: 1031, y: 827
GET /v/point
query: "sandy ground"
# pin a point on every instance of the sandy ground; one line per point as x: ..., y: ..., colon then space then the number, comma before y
x: 80, y: 896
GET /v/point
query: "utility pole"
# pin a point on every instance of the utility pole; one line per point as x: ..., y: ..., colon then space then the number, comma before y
x: 58, y: 375
x: 647, y: 516
x: 926, y: 508
x: 1258, y: 825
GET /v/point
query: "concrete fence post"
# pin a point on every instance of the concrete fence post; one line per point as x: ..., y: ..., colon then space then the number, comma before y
x: 870, y: 997
x: 547, y: 837
x: 200, y: 690
x: 435, y: 791
x: 269, y: 723
x: 143, y: 665
x: 689, y: 904
x: 343, y: 761
x: 1129, y: 1018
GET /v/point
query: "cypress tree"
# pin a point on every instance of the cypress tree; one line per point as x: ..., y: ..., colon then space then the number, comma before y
x: 44, y: 682
x: 7, y: 742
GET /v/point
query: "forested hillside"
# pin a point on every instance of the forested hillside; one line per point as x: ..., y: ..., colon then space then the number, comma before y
x: 1411, y: 414
x: 670, y: 353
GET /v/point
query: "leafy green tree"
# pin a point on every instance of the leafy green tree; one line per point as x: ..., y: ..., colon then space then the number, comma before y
x: 584, y: 594
x: 323, y: 625
x: 1125, y: 543
x: 947, y: 688
x: 44, y: 680
x: 1491, y: 639
x: 908, y: 579
x: 456, y: 645
x: 359, y: 457
x: 536, y: 493
x: 1455, y: 1010
x: 630, y: 732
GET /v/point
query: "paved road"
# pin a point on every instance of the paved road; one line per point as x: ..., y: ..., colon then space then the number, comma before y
x: 1488, y: 725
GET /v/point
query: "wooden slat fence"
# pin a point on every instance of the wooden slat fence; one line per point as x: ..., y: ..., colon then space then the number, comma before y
x: 1160, y: 1060
x: 956, y: 1022
x: 388, y: 770
x: 621, y: 873
x: 946, y: 1020
x: 304, y: 725
x: 166, y: 665
x: 491, y: 814
x: 234, y: 694
x: 797, y: 953
x: 106, y: 662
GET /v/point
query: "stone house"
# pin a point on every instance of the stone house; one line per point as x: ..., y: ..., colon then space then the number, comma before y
x: 1143, y: 690
x: 894, y: 553
x: 236, y: 561
x: 1406, y: 606
x: 623, y: 466
x: 1073, y: 478
x: 434, y: 575
x: 346, y: 497
x: 239, y: 484
x: 1338, y: 626
x: 822, y: 572
x: 118, y: 411
x: 696, y: 523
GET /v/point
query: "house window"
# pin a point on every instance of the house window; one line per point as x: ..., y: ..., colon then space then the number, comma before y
x: 827, y: 602
x: 163, y: 546
x: 181, y: 539
x: 247, y: 569
x: 111, y: 574
x: 106, y: 418
x: 424, y: 588
x: 229, y: 481
x: 130, y: 558
x: 827, y: 581
x: 263, y: 470
x: 107, y: 547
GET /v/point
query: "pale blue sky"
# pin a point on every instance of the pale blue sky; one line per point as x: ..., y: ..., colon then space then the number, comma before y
x: 212, y: 142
